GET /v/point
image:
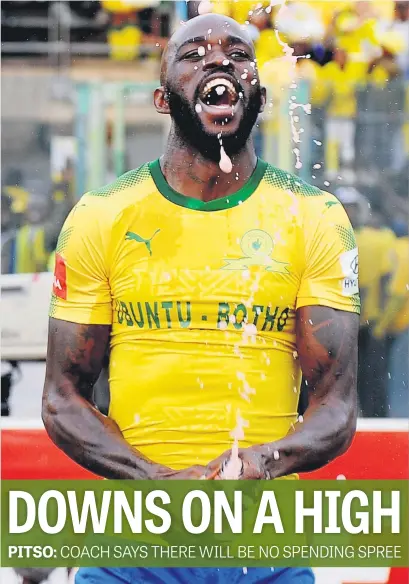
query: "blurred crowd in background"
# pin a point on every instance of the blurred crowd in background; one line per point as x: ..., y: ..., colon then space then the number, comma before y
x: 351, y: 66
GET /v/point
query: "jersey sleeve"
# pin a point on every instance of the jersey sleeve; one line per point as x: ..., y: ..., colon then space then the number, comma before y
x: 81, y: 291
x: 330, y: 274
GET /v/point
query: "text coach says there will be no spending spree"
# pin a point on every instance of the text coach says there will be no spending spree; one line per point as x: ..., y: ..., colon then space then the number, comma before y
x: 215, y: 514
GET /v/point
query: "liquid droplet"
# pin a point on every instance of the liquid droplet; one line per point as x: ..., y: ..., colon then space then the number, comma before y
x: 225, y: 163
x: 276, y: 455
x: 234, y: 466
x: 250, y: 329
x: 205, y: 7
x: 201, y: 51
x: 226, y: 62
x: 220, y: 89
x: 298, y: 163
x: 254, y: 81
x: 198, y: 108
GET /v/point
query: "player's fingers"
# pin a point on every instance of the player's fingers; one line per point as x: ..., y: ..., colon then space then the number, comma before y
x: 213, y: 474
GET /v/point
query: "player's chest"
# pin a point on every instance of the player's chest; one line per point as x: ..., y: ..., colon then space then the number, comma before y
x: 228, y: 256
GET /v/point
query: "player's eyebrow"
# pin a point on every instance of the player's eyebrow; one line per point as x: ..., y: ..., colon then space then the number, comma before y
x: 191, y: 41
x: 230, y: 40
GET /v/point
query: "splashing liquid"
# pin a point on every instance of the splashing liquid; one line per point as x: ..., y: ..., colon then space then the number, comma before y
x: 233, y: 468
x: 289, y: 55
x: 225, y: 163
x: 205, y: 7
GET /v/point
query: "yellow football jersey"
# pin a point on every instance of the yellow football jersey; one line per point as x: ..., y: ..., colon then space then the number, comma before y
x: 202, y: 299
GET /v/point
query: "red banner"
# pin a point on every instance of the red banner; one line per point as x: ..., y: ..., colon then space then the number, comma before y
x: 379, y: 451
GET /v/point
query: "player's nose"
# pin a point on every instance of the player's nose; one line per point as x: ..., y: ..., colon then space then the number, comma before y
x: 216, y: 57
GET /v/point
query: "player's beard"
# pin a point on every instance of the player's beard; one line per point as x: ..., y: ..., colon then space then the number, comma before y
x: 191, y: 131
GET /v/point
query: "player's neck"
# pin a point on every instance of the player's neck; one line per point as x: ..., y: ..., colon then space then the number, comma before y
x: 190, y: 174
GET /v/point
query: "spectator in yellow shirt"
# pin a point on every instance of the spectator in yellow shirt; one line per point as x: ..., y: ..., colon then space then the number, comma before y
x: 125, y: 34
x: 339, y: 80
x: 395, y: 321
x: 267, y: 44
x: 376, y: 246
x: 386, y: 67
x: 353, y: 29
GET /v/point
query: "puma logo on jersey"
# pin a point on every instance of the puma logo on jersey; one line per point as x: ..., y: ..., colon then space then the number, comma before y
x: 139, y: 239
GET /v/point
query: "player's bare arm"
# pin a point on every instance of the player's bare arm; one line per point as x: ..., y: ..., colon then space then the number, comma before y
x: 327, y: 349
x: 74, y: 362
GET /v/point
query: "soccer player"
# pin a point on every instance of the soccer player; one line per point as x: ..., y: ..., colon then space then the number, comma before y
x: 216, y: 290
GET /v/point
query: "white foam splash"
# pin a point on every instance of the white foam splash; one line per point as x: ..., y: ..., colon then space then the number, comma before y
x: 225, y: 163
x: 198, y: 108
x: 234, y: 466
x: 205, y: 7
x: 201, y: 51
x: 298, y: 163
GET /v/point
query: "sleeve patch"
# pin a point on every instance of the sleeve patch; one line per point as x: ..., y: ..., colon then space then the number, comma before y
x: 349, y: 266
x: 60, y: 277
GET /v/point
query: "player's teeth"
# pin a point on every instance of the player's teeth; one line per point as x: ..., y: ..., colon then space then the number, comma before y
x: 221, y: 82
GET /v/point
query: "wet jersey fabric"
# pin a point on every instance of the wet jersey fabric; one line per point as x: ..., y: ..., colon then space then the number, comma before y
x: 202, y: 298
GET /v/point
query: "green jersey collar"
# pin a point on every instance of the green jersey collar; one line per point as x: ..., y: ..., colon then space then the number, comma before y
x: 216, y: 204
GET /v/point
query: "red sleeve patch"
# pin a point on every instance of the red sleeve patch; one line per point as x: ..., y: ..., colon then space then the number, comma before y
x: 60, y: 277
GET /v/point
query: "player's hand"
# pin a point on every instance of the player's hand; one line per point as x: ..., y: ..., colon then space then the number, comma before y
x: 252, y: 466
x: 195, y: 472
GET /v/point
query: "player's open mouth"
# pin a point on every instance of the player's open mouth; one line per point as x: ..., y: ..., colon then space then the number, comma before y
x: 218, y: 96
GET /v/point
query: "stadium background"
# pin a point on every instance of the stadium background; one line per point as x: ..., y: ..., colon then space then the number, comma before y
x: 77, y: 79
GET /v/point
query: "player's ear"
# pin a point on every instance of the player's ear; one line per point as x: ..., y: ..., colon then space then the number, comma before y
x: 263, y: 99
x: 161, y: 101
